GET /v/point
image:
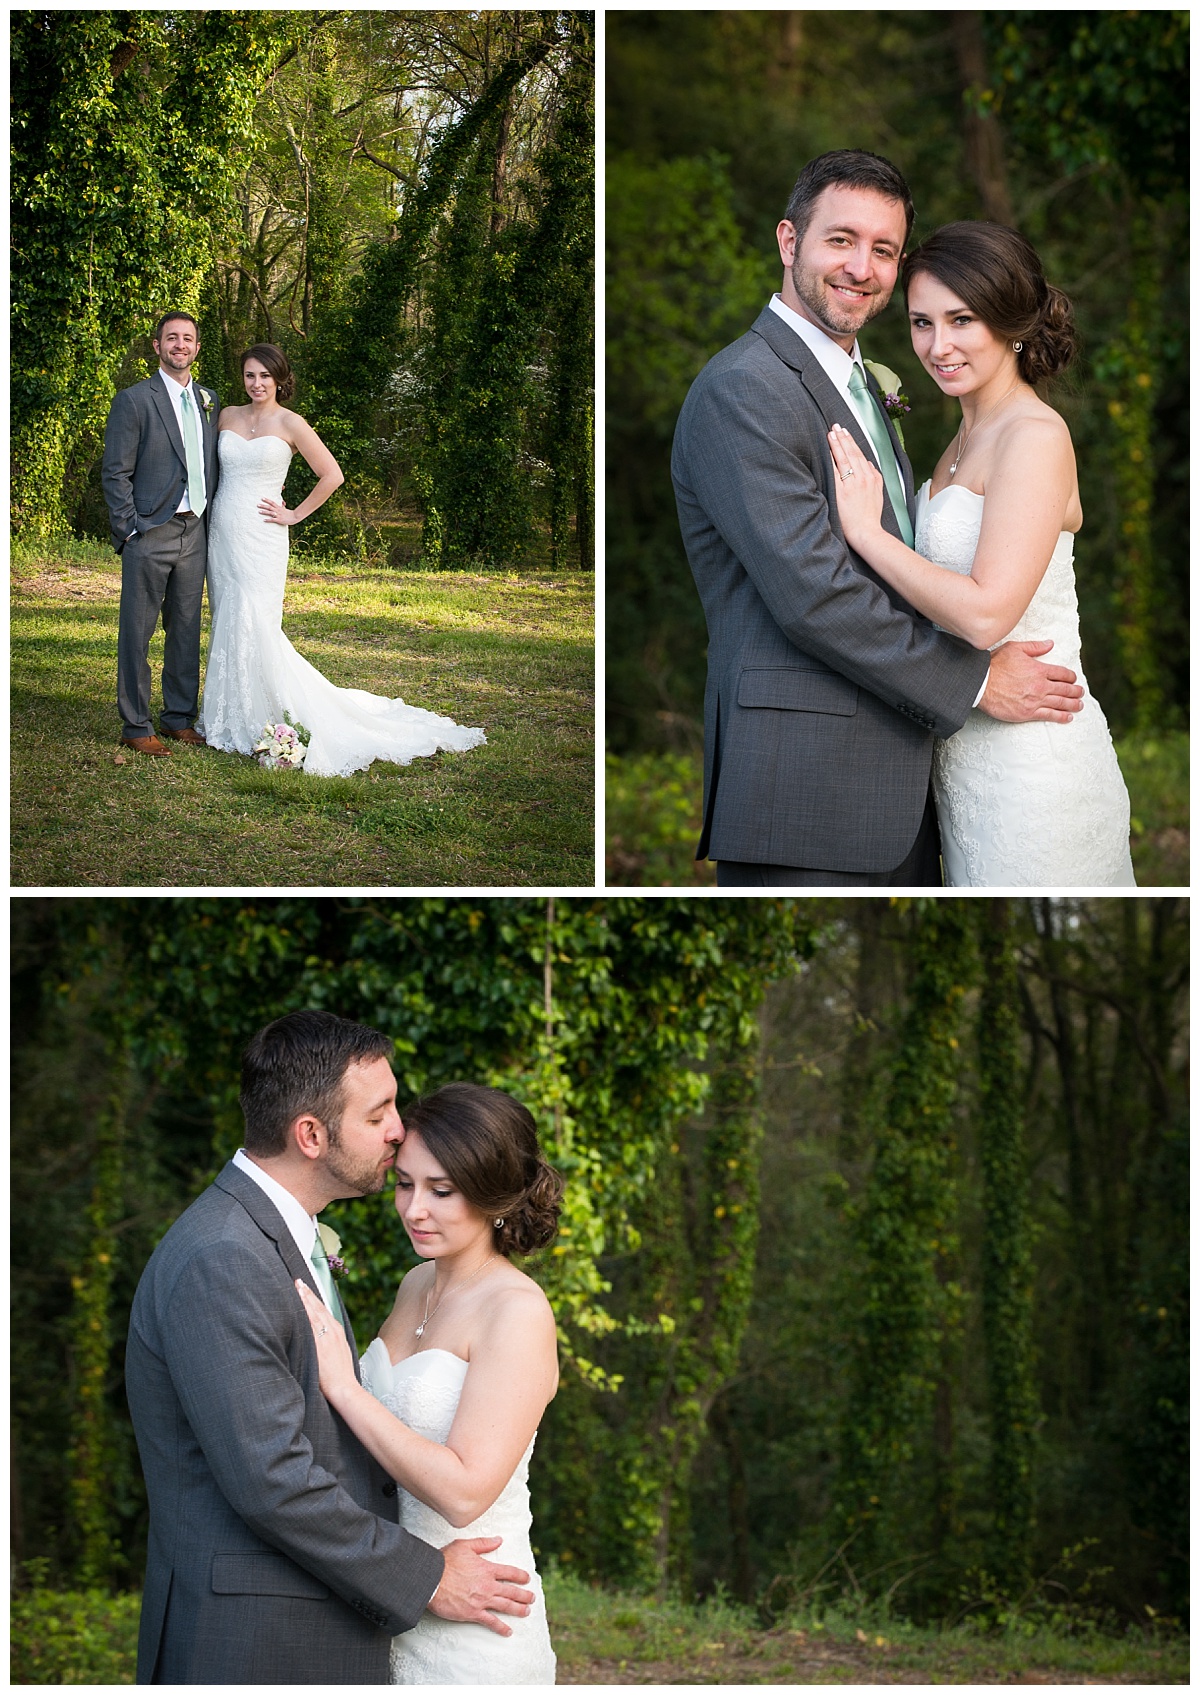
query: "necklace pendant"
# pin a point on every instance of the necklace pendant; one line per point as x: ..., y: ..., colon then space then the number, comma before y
x: 420, y: 1330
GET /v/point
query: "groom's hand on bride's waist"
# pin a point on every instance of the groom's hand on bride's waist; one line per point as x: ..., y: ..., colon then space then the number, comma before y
x: 474, y: 1590
x: 1020, y: 689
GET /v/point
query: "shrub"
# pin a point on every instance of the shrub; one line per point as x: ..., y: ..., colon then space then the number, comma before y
x: 73, y: 1636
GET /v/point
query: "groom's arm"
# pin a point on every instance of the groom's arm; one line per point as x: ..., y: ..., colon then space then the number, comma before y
x: 225, y: 1333
x: 122, y: 442
x: 743, y: 464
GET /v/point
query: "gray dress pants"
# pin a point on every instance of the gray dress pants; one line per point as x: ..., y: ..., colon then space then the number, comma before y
x: 162, y: 570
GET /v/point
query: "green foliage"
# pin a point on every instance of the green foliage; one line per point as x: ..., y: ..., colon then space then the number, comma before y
x: 680, y: 284
x: 651, y: 812
x: 600, y: 1015
x: 1108, y: 92
x: 72, y: 1636
x: 92, y: 1456
x: 290, y: 177
x: 1007, y: 1257
x: 910, y: 1306
x: 126, y: 128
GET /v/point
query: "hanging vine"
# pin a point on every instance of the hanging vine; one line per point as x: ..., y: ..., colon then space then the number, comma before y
x: 905, y: 1227
x: 1007, y: 1256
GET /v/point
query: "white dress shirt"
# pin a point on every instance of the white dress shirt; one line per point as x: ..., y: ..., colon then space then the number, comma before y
x: 175, y: 390
x: 837, y: 365
x: 303, y: 1228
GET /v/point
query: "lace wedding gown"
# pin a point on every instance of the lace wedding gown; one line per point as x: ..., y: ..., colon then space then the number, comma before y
x: 1032, y: 806
x: 254, y: 674
x: 423, y: 1392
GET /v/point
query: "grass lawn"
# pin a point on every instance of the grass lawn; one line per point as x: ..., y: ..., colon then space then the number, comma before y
x: 510, y: 652
x: 601, y: 1636
x: 652, y: 809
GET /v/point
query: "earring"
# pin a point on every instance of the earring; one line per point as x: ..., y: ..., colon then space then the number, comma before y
x: 499, y: 1224
x: 1017, y: 346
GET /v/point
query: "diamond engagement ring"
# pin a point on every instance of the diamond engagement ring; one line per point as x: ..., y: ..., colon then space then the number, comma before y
x: 323, y: 1331
x: 848, y: 473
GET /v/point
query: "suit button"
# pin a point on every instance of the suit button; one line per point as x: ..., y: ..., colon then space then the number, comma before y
x: 389, y: 1490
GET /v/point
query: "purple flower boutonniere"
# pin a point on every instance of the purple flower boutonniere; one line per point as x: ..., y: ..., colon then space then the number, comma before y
x: 331, y: 1242
x: 895, y: 401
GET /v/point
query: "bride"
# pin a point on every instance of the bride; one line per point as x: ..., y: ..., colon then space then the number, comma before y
x: 254, y: 674
x: 454, y: 1385
x: 1038, y: 805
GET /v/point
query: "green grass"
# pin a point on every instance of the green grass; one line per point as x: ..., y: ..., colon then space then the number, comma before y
x: 652, y: 809
x: 605, y: 1637
x: 512, y: 652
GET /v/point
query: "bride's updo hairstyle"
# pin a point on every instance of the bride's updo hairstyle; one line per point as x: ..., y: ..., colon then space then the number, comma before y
x: 276, y: 362
x: 997, y: 273
x: 487, y: 1145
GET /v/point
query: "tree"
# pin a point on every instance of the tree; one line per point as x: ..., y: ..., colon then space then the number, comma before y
x: 126, y: 131
x: 1108, y: 91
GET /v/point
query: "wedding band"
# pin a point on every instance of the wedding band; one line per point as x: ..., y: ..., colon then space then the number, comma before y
x: 848, y: 473
x: 323, y: 1331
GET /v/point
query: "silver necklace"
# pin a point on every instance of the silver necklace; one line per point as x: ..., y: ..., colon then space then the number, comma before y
x: 430, y: 1316
x: 962, y: 442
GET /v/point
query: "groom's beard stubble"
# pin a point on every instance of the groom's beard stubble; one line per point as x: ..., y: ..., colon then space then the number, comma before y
x: 810, y: 286
x: 359, y: 1176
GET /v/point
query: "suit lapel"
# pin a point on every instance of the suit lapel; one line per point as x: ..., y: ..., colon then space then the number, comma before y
x: 166, y: 413
x: 245, y: 1190
x: 830, y: 402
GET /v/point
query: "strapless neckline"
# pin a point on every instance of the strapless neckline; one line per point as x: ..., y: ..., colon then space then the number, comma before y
x: 927, y: 491
x: 251, y: 440
x: 421, y: 1353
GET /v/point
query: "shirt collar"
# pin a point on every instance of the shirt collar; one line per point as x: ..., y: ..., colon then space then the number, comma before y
x: 834, y: 360
x: 174, y: 389
x: 303, y: 1228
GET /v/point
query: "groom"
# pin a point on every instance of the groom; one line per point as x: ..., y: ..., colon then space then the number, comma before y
x: 825, y: 688
x: 158, y: 474
x: 275, y: 1555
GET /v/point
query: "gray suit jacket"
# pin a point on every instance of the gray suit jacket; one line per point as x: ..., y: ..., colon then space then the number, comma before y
x: 275, y: 1555
x: 825, y: 688
x: 144, y: 469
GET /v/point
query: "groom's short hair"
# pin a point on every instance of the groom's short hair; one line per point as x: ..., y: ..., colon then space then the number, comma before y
x: 298, y: 1065
x: 849, y: 167
x: 169, y: 318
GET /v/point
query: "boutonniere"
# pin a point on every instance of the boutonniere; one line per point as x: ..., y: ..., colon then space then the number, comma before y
x: 208, y: 400
x: 332, y: 1244
x: 895, y: 401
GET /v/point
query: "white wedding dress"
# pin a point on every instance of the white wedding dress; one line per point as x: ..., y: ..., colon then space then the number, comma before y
x: 254, y: 674
x: 1030, y: 806
x: 423, y: 1392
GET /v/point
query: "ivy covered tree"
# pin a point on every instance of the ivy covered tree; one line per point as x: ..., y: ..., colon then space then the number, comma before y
x: 606, y: 1017
x: 906, y: 1230
x: 126, y: 128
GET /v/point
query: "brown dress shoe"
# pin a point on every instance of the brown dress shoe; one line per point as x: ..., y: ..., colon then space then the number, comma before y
x: 192, y: 737
x: 146, y: 744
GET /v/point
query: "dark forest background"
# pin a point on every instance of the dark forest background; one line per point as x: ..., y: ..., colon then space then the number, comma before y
x: 1071, y: 125
x: 873, y: 1274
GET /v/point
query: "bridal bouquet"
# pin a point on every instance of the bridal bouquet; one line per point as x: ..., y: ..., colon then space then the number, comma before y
x: 282, y: 744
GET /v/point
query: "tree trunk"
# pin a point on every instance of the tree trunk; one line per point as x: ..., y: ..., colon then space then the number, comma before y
x: 981, y: 133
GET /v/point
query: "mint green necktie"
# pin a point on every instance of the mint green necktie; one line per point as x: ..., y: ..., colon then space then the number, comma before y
x: 191, y: 449
x: 320, y: 1265
x: 872, y: 421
